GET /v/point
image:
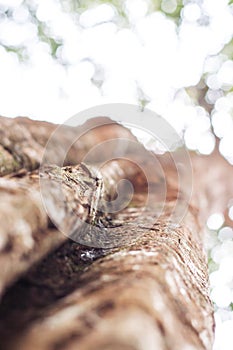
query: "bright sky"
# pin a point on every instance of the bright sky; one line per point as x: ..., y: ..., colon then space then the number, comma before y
x: 150, y: 57
x: 148, y: 60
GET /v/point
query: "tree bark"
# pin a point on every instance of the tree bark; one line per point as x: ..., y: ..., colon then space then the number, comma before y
x: 25, y: 233
x: 151, y: 293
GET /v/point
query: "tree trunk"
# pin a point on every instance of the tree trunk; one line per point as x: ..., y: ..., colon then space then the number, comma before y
x: 151, y: 293
x: 25, y: 233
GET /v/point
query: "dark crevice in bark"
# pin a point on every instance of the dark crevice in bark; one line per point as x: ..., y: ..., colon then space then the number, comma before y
x: 141, y: 268
x: 65, y: 271
x: 54, y: 277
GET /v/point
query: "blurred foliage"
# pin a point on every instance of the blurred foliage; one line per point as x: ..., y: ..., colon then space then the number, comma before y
x: 228, y: 49
x: 203, y: 94
x: 172, y: 9
x: 43, y: 30
x: 212, y: 265
x: 79, y: 6
x: 21, y: 52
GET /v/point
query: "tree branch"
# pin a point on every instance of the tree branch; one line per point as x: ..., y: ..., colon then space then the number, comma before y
x: 152, y: 292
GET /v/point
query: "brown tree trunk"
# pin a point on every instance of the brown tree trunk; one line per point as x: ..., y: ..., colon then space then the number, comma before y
x: 26, y: 235
x: 151, y: 293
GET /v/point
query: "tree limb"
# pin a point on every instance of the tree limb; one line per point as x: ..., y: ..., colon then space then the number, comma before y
x: 152, y: 293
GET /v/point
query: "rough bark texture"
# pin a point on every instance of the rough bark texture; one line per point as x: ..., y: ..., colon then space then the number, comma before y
x: 151, y: 293
x: 22, y: 141
x: 25, y: 233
